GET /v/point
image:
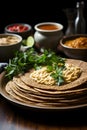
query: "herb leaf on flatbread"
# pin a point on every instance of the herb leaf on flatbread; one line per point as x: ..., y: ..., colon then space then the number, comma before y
x: 23, y: 61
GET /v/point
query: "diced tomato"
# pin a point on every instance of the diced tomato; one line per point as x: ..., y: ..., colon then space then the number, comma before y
x: 18, y: 28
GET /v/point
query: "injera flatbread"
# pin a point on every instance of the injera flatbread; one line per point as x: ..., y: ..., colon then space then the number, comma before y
x: 41, y: 98
x: 23, y: 86
x: 11, y: 89
x: 27, y: 89
x: 82, y: 79
x: 28, y: 93
x: 82, y: 88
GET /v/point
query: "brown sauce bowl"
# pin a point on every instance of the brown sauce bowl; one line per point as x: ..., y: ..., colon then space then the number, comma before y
x: 74, y: 53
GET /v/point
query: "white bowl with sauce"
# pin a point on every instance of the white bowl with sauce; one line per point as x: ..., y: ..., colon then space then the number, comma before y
x: 75, y: 46
x: 9, y: 44
x: 48, y: 34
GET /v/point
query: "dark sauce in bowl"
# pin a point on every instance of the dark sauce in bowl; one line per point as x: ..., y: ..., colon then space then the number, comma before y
x: 48, y: 27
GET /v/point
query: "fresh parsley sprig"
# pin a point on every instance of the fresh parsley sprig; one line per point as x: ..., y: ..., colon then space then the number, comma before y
x: 23, y: 61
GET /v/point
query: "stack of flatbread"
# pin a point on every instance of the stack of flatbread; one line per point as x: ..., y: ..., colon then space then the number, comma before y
x: 25, y: 90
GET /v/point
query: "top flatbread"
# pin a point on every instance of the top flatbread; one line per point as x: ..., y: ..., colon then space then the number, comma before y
x: 82, y: 79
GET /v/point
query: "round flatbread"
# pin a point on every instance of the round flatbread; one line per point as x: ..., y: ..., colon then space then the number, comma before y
x: 73, y: 85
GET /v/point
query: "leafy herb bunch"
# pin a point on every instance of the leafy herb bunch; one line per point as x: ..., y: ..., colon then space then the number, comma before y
x: 23, y: 61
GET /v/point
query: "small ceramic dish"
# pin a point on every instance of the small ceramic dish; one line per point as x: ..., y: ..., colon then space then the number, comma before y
x: 76, y: 47
x: 9, y: 44
x: 21, y: 29
x: 48, y: 34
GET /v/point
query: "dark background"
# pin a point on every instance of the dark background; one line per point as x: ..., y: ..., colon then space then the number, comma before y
x: 33, y: 12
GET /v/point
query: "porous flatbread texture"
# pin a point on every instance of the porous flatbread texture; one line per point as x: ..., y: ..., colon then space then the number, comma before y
x: 43, y: 101
x: 75, y: 84
x: 29, y: 89
x: 30, y: 93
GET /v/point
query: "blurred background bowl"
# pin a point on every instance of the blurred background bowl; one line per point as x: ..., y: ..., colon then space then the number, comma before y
x: 48, y: 34
x: 9, y: 44
x: 75, y: 53
x: 21, y: 29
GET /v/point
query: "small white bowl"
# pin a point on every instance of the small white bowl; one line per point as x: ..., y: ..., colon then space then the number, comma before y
x: 48, y: 34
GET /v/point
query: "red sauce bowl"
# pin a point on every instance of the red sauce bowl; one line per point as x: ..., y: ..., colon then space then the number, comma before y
x: 21, y: 29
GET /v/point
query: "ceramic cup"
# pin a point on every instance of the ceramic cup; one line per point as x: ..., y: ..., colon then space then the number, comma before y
x: 48, y: 34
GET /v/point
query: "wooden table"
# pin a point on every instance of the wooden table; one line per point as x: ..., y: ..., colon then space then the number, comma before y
x: 14, y: 117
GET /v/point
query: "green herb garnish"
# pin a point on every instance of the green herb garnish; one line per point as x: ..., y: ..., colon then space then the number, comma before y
x: 24, y: 61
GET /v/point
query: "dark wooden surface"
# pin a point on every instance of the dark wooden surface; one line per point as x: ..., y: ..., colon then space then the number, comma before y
x: 14, y: 117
